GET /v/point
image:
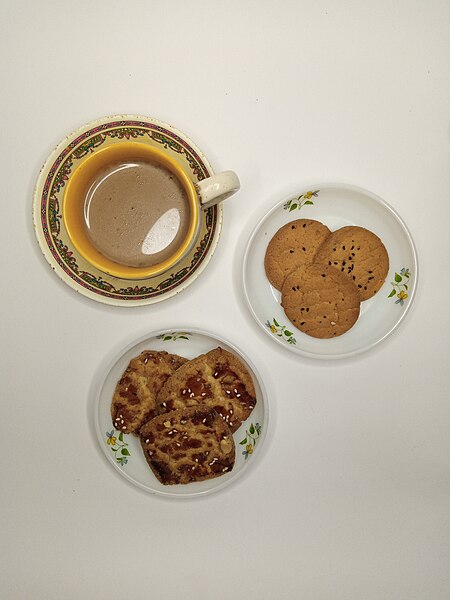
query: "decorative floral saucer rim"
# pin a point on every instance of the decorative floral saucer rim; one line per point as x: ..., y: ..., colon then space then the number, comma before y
x: 49, y: 227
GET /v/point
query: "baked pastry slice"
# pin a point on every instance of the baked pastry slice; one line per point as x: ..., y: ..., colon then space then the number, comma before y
x: 190, y: 444
x: 134, y: 399
x: 217, y: 379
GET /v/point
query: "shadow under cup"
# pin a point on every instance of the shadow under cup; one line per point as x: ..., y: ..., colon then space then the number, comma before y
x: 75, y: 207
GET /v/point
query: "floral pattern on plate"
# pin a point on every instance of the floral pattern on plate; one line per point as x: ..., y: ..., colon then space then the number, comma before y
x: 300, y: 201
x: 281, y: 331
x: 400, y: 286
x: 174, y: 336
x: 124, y: 452
x: 114, y: 439
x: 252, y: 435
x: 337, y: 205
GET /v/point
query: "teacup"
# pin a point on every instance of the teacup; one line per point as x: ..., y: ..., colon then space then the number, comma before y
x: 132, y: 211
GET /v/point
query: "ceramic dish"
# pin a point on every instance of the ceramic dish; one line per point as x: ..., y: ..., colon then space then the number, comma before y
x: 124, y: 452
x: 53, y: 238
x: 335, y: 206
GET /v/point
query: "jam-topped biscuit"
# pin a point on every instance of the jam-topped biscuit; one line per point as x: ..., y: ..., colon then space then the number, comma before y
x: 134, y: 399
x: 217, y: 379
x: 294, y: 245
x: 189, y: 444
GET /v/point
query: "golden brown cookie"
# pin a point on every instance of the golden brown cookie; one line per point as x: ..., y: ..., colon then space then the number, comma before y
x: 134, y: 399
x: 358, y: 253
x: 320, y: 301
x: 190, y: 444
x: 217, y: 379
x: 294, y: 245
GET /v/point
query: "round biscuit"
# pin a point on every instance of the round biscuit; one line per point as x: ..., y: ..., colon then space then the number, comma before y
x: 320, y: 301
x: 294, y: 245
x: 360, y: 255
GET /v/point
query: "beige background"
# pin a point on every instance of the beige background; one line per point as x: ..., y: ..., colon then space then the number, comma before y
x: 351, y: 498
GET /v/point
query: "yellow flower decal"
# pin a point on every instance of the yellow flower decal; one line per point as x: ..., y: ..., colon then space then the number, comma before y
x: 281, y: 331
x: 400, y: 286
x: 118, y: 446
x: 300, y: 201
x: 251, y: 438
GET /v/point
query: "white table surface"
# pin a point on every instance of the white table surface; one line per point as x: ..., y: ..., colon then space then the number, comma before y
x: 351, y: 496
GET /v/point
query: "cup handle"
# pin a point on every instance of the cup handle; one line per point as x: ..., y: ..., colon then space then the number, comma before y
x: 217, y: 188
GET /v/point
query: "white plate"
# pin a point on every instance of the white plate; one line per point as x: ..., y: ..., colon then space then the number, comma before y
x: 126, y: 456
x: 335, y: 205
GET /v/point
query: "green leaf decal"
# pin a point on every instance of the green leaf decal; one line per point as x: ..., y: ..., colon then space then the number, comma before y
x: 300, y: 201
x: 118, y: 447
x: 400, y: 287
x: 251, y: 439
x: 174, y: 336
x: 280, y: 331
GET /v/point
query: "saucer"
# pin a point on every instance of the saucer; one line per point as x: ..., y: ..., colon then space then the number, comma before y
x: 54, y: 241
x: 336, y: 206
x: 124, y: 452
